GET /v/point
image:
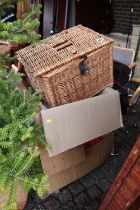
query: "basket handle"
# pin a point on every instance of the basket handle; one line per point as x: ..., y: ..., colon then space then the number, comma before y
x: 64, y: 44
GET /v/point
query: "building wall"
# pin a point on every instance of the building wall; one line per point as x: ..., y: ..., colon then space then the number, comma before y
x: 121, y: 12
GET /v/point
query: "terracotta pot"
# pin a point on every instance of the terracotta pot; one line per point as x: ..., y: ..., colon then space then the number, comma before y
x: 21, y: 198
x: 4, y: 49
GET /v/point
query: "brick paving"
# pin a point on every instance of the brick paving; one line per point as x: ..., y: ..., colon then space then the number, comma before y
x: 88, y: 192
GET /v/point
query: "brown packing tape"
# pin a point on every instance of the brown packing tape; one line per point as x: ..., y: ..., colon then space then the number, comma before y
x: 63, y: 161
x: 95, y: 156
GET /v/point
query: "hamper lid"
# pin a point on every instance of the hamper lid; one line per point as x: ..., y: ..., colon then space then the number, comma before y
x: 60, y: 49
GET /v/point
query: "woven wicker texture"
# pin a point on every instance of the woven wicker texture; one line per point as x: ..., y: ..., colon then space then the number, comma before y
x: 54, y: 67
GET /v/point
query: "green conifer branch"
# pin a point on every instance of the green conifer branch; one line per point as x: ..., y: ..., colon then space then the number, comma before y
x: 19, y: 133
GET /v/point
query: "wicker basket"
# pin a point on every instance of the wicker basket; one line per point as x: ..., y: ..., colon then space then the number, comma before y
x: 74, y: 64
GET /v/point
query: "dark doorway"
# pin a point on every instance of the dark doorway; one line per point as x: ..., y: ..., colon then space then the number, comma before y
x: 96, y: 14
x: 61, y: 14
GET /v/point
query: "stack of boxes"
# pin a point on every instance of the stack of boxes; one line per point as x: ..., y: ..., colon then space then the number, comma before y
x: 69, y: 70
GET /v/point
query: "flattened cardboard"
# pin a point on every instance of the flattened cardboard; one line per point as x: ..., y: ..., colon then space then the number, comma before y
x: 63, y: 161
x: 73, y: 124
x: 95, y: 156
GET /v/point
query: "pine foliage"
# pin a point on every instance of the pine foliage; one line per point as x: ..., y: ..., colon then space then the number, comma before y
x: 19, y: 133
x: 18, y: 136
x: 21, y: 30
x: 19, y: 155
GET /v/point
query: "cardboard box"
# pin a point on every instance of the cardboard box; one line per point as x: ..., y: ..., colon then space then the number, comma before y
x: 93, y: 156
x: 63, y: 161
x: 73, y: 124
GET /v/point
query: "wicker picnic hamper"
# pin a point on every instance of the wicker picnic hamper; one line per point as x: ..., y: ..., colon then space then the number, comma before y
x: 74, y: 64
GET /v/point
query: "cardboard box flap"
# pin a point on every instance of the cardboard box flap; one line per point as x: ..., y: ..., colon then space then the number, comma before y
x: 73, y: 124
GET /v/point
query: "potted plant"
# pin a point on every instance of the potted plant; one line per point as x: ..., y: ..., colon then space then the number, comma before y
x: 21, y: 31
x: 20, y: 166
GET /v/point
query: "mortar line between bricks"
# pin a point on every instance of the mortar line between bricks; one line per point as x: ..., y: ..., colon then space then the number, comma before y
x: 85, y: 191
x: 99, y: 188
x: 83, y: 184
x: 73, y: 198
x: 95, y: 183
x: 57, y: 199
